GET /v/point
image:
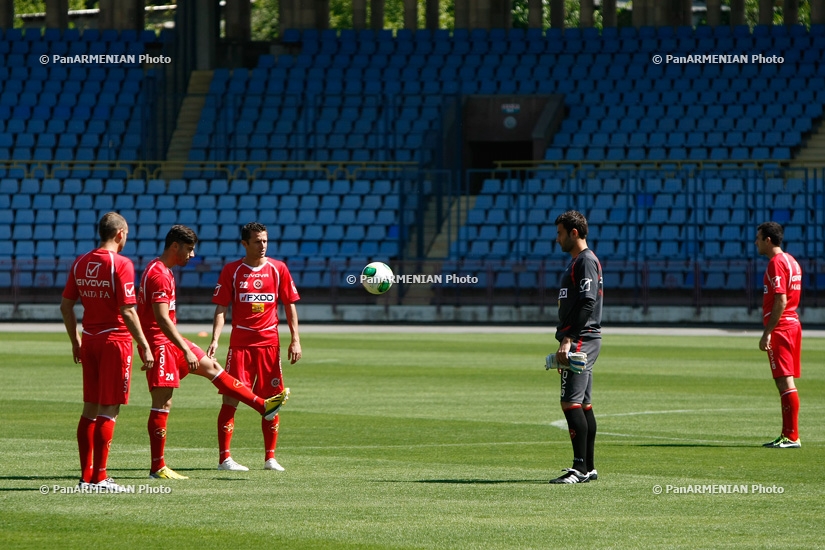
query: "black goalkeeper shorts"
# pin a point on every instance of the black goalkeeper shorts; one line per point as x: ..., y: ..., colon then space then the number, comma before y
x: 575, y: 388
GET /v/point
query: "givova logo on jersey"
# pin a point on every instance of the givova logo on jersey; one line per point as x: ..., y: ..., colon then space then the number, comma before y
x: 563, y: 382
x: 93, y: 270
x: 127, y: 375
x: 162, y: 360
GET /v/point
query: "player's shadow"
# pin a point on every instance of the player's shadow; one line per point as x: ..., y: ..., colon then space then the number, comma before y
x: 720, y: 445
x: 474, y: 481
x: 37, y: 478
x: 183, y: 471
x: 41, y: 479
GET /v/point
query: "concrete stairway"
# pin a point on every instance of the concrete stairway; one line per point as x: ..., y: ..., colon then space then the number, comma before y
x: 187, y: 124
x: 423, y: 294
x: 814, y: 150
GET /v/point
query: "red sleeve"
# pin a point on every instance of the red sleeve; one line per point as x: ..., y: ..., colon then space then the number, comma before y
x: 223, y: 290
x: 125, y: 282
x: 287, y: 293
x: 158, y: 287
x: 777, y: 277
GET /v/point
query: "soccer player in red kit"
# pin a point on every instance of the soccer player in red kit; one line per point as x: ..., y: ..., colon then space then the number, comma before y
x: 253, y: 286
x: 104, y: 282
x: 175, y: 356
x: 782, y: 337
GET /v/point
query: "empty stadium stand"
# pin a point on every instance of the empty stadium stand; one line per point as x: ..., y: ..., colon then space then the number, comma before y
x: 71, y: 110
x: 47, y: 222
x: 371, y: 96
x: 668, y: 223
x: 710, y: 142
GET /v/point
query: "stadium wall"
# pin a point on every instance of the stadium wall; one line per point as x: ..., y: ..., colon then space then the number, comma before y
x: 359, y: 314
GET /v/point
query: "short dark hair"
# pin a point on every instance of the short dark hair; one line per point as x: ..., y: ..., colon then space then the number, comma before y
x: 772, y: 231
x: 182, y: 235
x: 250, y: 228
x: 109, y: 225
x: 573, y: 219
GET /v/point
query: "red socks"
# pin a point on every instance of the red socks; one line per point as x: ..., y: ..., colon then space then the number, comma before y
x: 270, y: 431
x: 231, y: 386
x: 85, y: 444
x: 104, y: 430
x: 157, y: 437
x: 790, y: 414
x: 226, y: 426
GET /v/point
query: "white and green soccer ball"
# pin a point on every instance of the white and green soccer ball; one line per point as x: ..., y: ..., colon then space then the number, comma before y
x: 377, y: 277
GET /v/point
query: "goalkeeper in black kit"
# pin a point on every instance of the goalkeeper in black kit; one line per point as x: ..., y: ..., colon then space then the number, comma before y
x: 580, y: 340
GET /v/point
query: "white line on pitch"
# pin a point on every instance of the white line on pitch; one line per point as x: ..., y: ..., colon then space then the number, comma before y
x: 682, y: 411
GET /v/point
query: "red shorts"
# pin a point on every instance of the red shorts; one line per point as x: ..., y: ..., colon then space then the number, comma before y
x: 170, y: 365
x: 785, y: 353
x: 258, y: 368
x: 107, y: 369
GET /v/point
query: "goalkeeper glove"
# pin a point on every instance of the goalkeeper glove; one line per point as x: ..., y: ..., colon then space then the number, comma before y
x: 577, y: 362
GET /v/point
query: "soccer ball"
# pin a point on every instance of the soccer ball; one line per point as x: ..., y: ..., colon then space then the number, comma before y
x: 377, y: 277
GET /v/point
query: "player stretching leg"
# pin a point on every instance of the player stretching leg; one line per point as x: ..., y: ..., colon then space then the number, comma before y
x: 252, y: 286
x: 176, y: 356
x: 580, y: 340
x: 782, y: 337
x: 104, y: 282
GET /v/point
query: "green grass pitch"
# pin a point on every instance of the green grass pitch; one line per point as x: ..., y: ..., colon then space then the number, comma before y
x: 396, y: 440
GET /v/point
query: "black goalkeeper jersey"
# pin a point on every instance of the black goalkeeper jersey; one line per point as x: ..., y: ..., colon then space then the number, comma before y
x: 580, y: 299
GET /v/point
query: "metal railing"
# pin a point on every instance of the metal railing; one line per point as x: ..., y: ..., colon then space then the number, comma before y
x: 639, y: 270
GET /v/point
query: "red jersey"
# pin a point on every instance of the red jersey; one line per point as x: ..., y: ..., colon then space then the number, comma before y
x: 103, y: 281
x: 783, y: 276
x: 253, y: 293
x: 157, y: 286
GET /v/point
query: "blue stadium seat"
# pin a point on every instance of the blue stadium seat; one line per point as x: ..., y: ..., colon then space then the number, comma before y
x: 661, y: 113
